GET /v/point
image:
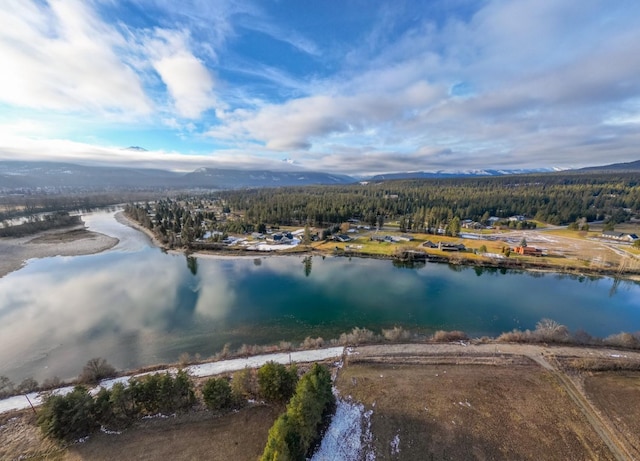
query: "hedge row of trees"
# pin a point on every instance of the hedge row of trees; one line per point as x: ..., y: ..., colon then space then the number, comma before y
x: 77, y: 414
x: 273, y: 382
x: 294, y: 432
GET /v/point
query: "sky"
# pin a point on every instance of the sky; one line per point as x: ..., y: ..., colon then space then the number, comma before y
x: 343, y: 86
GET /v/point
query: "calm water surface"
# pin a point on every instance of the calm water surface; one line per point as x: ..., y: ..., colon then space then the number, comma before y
x: 135, y: 305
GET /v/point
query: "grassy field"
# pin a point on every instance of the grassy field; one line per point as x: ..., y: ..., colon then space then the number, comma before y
x: 449, y: 411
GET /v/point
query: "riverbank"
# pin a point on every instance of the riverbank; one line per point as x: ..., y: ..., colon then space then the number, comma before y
x: 569, y: 255
x: 498, y: 401
x: 70, y: 241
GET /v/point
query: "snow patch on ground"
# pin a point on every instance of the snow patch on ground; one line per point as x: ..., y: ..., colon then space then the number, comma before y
x: 213, y: 368
x: 263, y: 246
x: 348, y: 437
x: 395, y: 445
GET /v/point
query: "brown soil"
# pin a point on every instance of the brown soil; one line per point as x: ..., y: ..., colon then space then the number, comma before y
x: 200, y: 435
x: 617, y: 396
x: 443, y: 401
x: 450, y: 411
x: 493, y: 401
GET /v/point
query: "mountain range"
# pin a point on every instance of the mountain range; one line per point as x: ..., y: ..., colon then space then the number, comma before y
x: 49, y: 175
x: 21, y: 175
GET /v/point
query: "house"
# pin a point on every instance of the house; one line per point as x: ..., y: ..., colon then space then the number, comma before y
x: 342, y: 238
x: 528, y: 251
x: 621, y: 236
x: 469, y: 224
x: 285, y: 235
x: 429, y: 244
x: 451, y: 246
x: 517, y: 218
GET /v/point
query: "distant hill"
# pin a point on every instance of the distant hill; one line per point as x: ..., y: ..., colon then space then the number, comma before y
x: 16, y: 175
x: 456, y: 174
x: 629, y: 166
x: 230, y: 178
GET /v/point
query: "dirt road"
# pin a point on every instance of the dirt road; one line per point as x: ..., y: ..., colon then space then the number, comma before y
x: 545, y: 356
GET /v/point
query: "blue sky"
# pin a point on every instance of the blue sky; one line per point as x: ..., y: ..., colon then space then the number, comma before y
x: 356, y: 86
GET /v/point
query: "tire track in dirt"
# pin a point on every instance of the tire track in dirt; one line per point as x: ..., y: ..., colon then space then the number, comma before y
x: 606, y: 434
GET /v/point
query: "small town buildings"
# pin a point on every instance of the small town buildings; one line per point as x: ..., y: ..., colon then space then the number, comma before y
x: 451, y: 246
x: 620, y: 236
x: 528, y: 251
x: 342, y: 238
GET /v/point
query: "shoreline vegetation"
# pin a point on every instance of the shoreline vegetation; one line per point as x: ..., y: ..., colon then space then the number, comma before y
x: 414, y: 254
x: 547, y: 332
x: 312, y: 391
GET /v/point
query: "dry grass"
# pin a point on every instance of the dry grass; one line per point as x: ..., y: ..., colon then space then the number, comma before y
x: 195, y: 436
x: 450, y: 411
x: 617, y: 395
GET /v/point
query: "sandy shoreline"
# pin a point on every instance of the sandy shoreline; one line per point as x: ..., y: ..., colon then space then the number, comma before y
x: 71, y: 241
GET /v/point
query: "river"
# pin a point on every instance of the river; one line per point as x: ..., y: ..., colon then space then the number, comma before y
x: 135, y: 305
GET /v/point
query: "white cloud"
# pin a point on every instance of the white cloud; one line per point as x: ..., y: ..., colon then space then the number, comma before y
x: 296, y: 123
x: 61, y: 56
x: 541, y: 80
x: 187, y: 79
x: 189, y: 83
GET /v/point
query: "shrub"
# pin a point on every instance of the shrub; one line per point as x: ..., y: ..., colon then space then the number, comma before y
x: 51, y: 383
x: 243, y: 384
x: 442, y: 336
x: 294, y: 432
x: 96, y: 370
x: 312, y: 343
x: 68, y: 417
x: 27, y: 385
x: 123, y: 405
x: 277, y: 383
x: 551, y: 331
x: 515, y: 336
x: 357, y: 336
x: 283, y: 442
x: 6, y: 387
x: 582, y: 337
x: 396, y: 334
x: 160, y: 392
x: 217, y: 394
x: 625, y: 340
x: 103, y: 409
x: 224, y: 353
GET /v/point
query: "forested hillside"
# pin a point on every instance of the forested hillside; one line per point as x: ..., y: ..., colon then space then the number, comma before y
x: 552, y: 198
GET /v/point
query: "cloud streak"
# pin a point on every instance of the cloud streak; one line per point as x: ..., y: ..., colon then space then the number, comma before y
x: 60, y: 56
x: 498, y: 84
